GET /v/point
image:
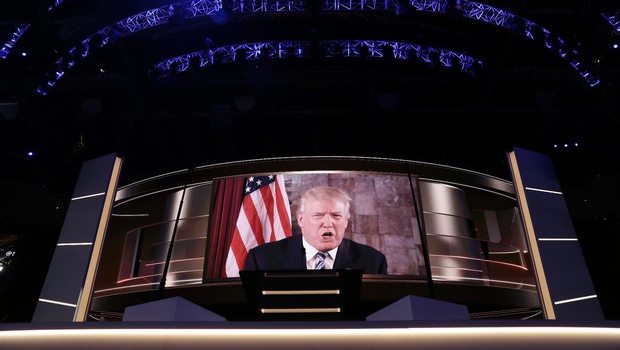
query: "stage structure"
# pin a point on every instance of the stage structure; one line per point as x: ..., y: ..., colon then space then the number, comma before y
x: 564, y: 282
x: 449, y: 234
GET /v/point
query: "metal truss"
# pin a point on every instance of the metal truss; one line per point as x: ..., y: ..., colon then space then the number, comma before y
x: 143, y: 20
x: 261, y: 6
x: 18, y: 31
x: 459, y: 8
x: 55, y: 4
x: 357, y: 5
x: 325, y: 49
x: 486, y: 13
x: 613, y: 19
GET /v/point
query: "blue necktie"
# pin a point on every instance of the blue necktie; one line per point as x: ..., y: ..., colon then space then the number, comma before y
x: 320, y: 264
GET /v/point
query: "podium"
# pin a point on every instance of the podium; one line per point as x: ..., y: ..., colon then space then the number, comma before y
x: 305, y: 295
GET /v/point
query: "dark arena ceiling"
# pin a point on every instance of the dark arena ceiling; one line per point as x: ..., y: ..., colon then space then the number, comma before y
x: 173, y: 84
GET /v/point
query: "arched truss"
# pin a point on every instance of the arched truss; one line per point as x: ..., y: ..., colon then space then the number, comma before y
x: 325, y: 49
x: 199, y: 8
x: 613, y: 19
x: 55, y: 4
x: 16, y: 33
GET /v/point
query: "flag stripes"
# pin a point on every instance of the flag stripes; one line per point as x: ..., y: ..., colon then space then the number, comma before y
x: 265, y: 216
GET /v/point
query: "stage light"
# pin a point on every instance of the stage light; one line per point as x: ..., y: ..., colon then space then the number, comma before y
x: 30, y: 154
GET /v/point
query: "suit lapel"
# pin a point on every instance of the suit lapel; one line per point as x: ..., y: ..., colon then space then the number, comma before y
x: 345, y: 256
x: 295, y: 259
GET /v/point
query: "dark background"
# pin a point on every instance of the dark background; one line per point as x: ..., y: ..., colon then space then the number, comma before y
x: 524, y: 96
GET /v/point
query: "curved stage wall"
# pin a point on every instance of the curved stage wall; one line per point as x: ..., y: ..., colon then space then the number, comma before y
x: 473, y: 246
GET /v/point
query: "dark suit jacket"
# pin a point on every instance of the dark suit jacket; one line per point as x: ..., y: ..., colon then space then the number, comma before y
x: 289, y: 254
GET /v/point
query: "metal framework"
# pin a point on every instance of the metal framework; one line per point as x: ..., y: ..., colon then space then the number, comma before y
x: 199, y: 8
x: 613, y: 19
x: 324, y: 49
x: 18, y: 31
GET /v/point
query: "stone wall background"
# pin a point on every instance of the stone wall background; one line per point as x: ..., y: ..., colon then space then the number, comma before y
x: 383, y: 214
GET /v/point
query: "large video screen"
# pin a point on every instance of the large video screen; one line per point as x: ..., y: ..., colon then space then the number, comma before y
x: 254, y: 210
x: 171, y: 234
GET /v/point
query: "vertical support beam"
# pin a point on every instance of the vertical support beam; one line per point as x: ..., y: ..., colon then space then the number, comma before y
x: 564, y: 283
x: 68, y: 287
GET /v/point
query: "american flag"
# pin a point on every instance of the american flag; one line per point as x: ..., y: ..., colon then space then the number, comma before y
x: 265, y: 216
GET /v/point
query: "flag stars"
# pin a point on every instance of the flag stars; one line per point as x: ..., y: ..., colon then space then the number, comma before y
x: 256, y: 182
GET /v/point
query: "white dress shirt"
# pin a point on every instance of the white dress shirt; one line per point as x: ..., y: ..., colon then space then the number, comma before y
x: 312, y: 259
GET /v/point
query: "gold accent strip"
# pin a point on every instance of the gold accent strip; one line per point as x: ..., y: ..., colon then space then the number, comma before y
x: 302, y: 310
x: 315, y: 273
x: 302, y: 292
x: 83, y: 304
x: 530, y: 235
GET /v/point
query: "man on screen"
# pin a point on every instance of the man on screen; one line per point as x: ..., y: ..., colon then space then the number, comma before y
x: 323, y: 215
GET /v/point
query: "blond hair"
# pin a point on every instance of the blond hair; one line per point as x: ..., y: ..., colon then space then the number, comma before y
x: 325, y: 192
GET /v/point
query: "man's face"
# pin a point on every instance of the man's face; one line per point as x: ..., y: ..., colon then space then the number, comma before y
x: 323, y: 223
